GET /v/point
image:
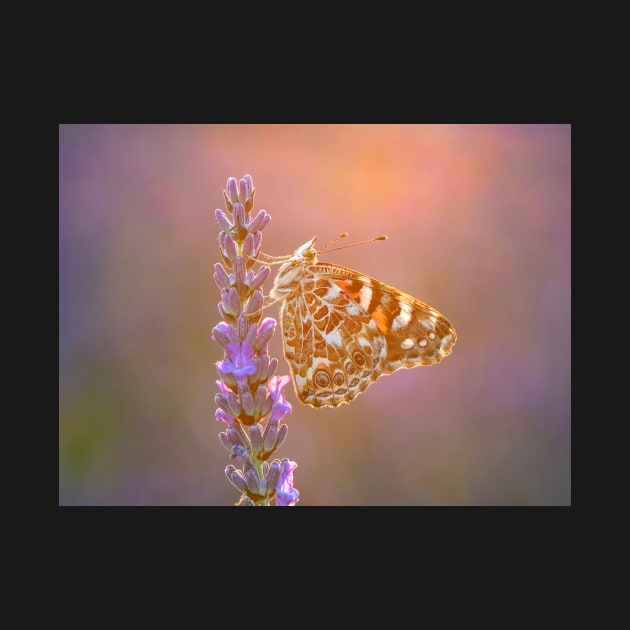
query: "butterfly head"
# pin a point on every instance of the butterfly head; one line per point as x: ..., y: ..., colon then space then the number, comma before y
x: 292, y: 271
x: 306, y: 253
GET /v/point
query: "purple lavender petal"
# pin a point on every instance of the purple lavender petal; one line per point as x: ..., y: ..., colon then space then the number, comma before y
x: 229, y: 247
x: 272, y: 474
x: 231, y: 301
x: 239, y: 276
x: 227, y: 400
x: 260, y: 396
x: 236, y: 478
x: 239, y: 217
x: 286, y: 494
x: 255, y: 435
x: 248, y: 247
x: 223, y: 416
x: 231, y: 190
x: 220, y: 335
x: 246, y: 186
x: 222, y: 220
x: 282, y: 436
x: 225, y: 440
x: 242, y: 325
x: 239, y: 362
x: 257, y: 281
x: 270, y: 435
x: 221, y: 277
x: 227, y: 330
x: 252, y: 481
x: 280, y: 404
x: 255, y: 302
x: 247, y: 401
x: 259, y: 222
x: 265, y: 332
x: 250, y: 337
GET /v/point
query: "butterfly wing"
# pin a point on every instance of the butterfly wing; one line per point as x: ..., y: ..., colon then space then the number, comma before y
x: 343, y: 330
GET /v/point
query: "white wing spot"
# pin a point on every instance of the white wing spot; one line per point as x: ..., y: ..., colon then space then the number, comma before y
x: 365, y: 296
x: 431, y: 335
x: 406, y: 344
x: 429, y: 323
x: 447, y: 341
x: 403, y: 318
x: 332, y: 292
x: 333, y: 338
x: 423, y: 343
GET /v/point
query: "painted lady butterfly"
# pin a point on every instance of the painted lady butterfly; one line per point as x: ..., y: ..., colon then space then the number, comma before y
x: 342, y: 330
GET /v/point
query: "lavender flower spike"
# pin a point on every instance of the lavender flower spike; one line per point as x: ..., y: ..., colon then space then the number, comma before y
x: 251, y: 401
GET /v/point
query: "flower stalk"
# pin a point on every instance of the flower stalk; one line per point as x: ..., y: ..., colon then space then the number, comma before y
x: 251, y: 401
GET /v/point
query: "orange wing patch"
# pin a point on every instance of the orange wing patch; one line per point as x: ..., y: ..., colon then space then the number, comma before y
x: 380, y: 317
x: 346, y: 287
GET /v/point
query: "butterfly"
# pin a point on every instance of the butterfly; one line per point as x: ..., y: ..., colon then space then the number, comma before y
x: 342, y: 330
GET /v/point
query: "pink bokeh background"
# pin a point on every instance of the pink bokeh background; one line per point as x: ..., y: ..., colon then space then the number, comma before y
x: 478, y: 219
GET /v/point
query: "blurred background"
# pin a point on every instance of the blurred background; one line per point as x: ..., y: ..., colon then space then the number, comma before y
x: 478, y: 219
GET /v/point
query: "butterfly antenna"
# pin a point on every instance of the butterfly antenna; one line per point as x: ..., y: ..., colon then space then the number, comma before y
x: 342, y: 235
x: 382, y: 237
